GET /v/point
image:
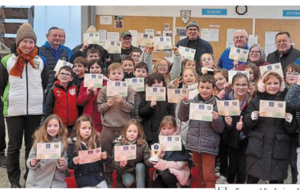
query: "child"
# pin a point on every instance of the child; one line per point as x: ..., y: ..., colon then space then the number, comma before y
x: 87, y: 97
x: 203, y: 138
x: 115, y: 113
x: 128, y: 170
x: 128, y: 67
x: 268, y: 147
x: 48, y: 173
x: 291, y: 74
x: 141, y: 70
x: 61, y: 99
x: 84, y: 137
x: 189, y: 64
x: 80, y: 66
x: 172, y: 168
x: 207, y: 61
x: 92, y: 54
x: 152, y: 112
x: 135, y: 55
x: 254, y: 76
x: 222, y: 86
x: 233, y: 136
x: 190, y: 82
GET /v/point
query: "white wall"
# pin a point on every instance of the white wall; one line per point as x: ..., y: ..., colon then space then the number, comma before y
x: 268, y: 12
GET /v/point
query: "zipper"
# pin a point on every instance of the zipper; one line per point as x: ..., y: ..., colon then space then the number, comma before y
x: 26, y: 88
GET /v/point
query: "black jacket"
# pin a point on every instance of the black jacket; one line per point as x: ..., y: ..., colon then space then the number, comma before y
x: 77, y: 53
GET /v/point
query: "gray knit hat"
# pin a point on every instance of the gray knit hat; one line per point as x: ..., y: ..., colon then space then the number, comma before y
x: 192, y: 24
x: 25, y: 31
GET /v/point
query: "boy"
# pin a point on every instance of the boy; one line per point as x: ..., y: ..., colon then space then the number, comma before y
x: 115, y: 114
x: 92, y: 54
x: 203, y: 136
x: 61, y: 99
x: 80, y: 66
x: 128, y: 67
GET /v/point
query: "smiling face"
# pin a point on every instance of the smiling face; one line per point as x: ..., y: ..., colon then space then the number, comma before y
x: 64, y: 77
x: 240, y: 86
x: 207, y: 61
x: 95, y: 69
x: 26, y: 45
x: 291, y: 76
x: 192, y: 33
x: 205, y: 90
x: 140, y: 72
x: 92, y: 56
x: 85, y: 130
x: 220, y: 80
x: 272, y: 85
x: 53, y: 128
x: 162, y: 67
x: 240, y: 39
x: 132, y: 132
x: 136, y: 57
x: 283, y: 43
x: 128, y: 66
x: 188, y: 78
x: 254, y: 55
x: 251, y: 74
x: 54, y: 38
x: 79, y: 69
x: 126, y: 42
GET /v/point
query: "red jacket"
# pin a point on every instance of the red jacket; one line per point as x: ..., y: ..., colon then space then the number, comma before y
x: 63, y: 103
x: 89, y: 104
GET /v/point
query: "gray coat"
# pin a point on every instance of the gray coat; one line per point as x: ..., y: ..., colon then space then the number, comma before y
x: 202, y: 136
x: 47, y: 173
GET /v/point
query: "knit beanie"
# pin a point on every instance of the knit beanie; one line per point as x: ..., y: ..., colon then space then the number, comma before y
x: 91, y: 29
x: 25, y: 31
x: 192, y: 24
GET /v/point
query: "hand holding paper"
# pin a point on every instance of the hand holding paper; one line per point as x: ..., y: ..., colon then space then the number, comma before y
x: 61, y: 162
x: 123, y: 163
x: 33, y: 162
x: 119, y: 98
x: 76, y: 160
x: 254, y: 115
x: 110, y: 102
x: 215, y: 115
x: 228, y: 120
x: 288, y: 117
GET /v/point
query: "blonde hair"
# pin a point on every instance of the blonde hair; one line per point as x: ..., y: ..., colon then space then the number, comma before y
x: 167, y: 75
x: 114, y: 66
x: 193, y: 71
x: 41, y: 135
x: 168, y: 120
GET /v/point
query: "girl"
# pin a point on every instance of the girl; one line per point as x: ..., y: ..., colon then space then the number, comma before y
x: 254, y: 76
x: 135, y: 55
x: 222, y: 86
x: 233, y: 136
x: 153, y: 111
x: 291, y: 74
x: 133, y: 134
x: 190, y: 81
x: 48, y: 173
x: 207, y: 64
x: 87, y: 96
x: 85, y: 137
x: 268, y: 147
x: 189, y: 64
x: 172, y: 168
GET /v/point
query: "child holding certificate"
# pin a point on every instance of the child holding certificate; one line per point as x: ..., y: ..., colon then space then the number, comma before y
x: 48, y: 173
x: 172, y: 167
x: 152, y: 112
x: 207, y: 64
x: 127, y: 170
x: 128, y: 67
x: 222, y: 86
x: 115, y: 112
x: 233, y: 135
x: 268, y: 146
x: 85, y: 137
x: 203, y: 136
x: 87, y: 96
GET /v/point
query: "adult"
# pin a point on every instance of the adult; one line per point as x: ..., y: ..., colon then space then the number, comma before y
x: 285, y: 53
x: 240, y: 40
x: 23, y: 78
x: 81, y: 50
x: 53, y: 50
x: 256, y: 55
x: 195, y: 42
x: 2, y: 134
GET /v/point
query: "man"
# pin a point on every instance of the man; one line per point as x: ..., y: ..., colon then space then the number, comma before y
x: 195, y: 42
x: 240, y: 40
x: 53, y: 50
x: 285, y: 52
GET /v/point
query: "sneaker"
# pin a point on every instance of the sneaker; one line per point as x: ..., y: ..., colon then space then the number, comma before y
x: 222, y: 180
x: 3, y: 161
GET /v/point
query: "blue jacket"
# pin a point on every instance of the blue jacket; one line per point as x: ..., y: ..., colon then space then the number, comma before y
x: 225, y: 62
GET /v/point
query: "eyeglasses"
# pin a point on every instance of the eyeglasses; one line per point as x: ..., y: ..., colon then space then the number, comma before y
x: 292, y: 73
x: 241, y: 85
x: 239, y: 37
x: 281, y: 41
x: 65, y: 74
x: 255, y: 52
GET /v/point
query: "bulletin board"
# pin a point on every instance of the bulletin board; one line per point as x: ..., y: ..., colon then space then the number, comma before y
x: 290, y: 25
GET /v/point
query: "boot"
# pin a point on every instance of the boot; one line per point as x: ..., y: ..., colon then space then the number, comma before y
x: 298, y: 165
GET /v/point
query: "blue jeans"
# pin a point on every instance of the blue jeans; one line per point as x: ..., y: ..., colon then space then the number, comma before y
x: 128, y: 178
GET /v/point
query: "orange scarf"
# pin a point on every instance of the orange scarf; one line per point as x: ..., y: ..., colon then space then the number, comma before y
x: 17, y: 69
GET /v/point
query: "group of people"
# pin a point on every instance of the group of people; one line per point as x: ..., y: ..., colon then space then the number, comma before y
x: 46, y: 105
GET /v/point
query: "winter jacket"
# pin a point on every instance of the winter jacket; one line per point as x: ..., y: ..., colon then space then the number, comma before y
x: 86, y: 175
x: 89, y: 103
x: 23, y: 96
x: 288, y: 57
x: 202, y: 136
x: 47, y: 173
x: 62, y: 102
x: 142, y: 156
x: 225, y: 62
x: 268, y: 146
x: 77, y: 53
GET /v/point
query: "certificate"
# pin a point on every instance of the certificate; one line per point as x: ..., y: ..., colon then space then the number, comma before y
x: 170, y: 143
x: 48, y: 150
x: 125, y: 152
x: 187, y: 53
x: 60, y: 63
x: 175, y: 95
x: 231, y: 74
x: 201, y: 112
x: 156, y: 93
x: 275, y: 109
x: 238, y: 54
x: 89, y: 156
x: 91, y: 38
x: 113, y: 46
x: 162, y: 43
x: 228, y: 107
x: 136, y: 83
x: 144, y: 40
x: 93, y: 80
x: 117, y: 88
x: 272, y: 67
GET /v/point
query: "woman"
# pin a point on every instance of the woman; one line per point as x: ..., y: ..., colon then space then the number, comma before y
x: 23, y: 79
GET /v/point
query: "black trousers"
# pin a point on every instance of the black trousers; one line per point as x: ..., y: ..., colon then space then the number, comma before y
x: 294, y: 144
x: 222, y: 157
x: 255, y: 180
x: 2, y: 131
x: 16, y: 127
x: 165, y: 179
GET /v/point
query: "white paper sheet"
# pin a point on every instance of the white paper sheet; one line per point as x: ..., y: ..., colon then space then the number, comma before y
x: 105, y: 20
